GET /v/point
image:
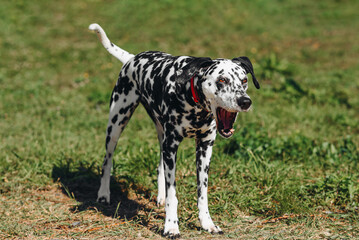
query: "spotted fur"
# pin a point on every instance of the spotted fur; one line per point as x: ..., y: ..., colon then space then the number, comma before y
x: 161, y: 83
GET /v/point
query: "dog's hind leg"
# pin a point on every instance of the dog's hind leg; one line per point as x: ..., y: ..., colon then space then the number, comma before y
x: 161, y: 182
x: 124, y: 101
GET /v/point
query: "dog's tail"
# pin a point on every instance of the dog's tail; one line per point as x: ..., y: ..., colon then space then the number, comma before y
x: 117, y: 52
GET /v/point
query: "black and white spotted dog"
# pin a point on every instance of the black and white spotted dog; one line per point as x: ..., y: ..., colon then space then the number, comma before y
x: 185, y: 97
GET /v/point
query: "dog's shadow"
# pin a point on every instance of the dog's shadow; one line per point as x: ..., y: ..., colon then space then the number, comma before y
x: 83, y: 183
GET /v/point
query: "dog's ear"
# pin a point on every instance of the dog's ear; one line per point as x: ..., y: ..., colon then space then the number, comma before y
x: 247, y: 65
x: 194, y: 67
x: 203, y: 62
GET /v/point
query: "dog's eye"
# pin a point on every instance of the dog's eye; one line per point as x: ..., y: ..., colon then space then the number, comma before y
x: 222, y: 80
x: 244, y: 81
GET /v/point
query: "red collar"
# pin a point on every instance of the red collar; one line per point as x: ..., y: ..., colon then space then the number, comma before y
x: 194, y: 91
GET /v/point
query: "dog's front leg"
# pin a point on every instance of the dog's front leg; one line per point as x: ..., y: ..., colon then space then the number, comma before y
x: 203, y: 158
x: 170, y: 145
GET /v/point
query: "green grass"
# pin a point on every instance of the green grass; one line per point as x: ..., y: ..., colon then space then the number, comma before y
x: 290, y: 171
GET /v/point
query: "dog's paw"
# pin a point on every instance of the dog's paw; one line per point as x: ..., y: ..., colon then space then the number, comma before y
x: 215, y: 230
x: 103, y: 199
x: 160, y: 201
x: 161, y: 195
x: 172, y: 234
x: 103, y: 195
x: 210, y: 227
x: 171, y: 229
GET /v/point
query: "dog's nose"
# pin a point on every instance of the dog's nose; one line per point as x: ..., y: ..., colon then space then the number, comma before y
x: 244, y: 102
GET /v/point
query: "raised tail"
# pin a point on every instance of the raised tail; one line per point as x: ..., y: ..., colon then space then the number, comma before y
x: 117, y: 52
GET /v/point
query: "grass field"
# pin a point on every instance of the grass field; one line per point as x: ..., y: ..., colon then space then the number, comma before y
x: 290, y: 171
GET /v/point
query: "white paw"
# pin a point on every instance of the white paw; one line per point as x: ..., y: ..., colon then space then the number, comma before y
x: 171, y: 229
x: 161, y: 201
x: 172, y: 234
x: 103, y: 199
x: 161, y: 196
x: 210, y: 227
x: 214, y: 229
x: 103, y: 196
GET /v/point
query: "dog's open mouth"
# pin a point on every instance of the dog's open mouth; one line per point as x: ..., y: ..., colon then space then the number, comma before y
x: 225, y: 122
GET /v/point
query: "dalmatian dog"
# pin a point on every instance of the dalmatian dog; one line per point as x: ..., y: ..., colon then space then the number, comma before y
x: 185, y: 97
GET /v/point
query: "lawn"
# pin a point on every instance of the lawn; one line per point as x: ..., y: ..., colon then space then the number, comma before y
x: 289, y: 172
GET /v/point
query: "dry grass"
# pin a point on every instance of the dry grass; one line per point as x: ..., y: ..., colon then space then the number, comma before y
x: 49, y: 213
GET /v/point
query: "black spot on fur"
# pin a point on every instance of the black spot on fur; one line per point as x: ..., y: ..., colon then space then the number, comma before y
x: 109, y: 130
x: 124, y: 85
x: 125, y: 109
x: 116, y: 98
x: 108, y: 138
x: 114, y: 119
x: 206, y: 169
x: 169, y: 163
x: 124, y: 120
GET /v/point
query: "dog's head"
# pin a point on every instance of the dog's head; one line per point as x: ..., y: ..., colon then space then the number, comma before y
x: 222, y: 86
